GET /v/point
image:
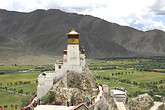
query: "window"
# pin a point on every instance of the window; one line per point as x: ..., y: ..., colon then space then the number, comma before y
x: 59, y: 66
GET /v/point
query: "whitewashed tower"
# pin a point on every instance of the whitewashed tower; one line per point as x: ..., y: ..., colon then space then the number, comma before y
x: 73, y: 60
x: 73, y: 48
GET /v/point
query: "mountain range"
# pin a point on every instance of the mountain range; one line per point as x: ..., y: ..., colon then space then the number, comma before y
x: 44, y: 32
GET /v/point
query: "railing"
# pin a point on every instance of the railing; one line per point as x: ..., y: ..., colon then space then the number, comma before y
x: 33, y: 97
x: 83, y: 104
x: 125, y: 105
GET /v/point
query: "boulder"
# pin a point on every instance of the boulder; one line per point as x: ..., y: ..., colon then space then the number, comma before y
x: 75, y: 88
x: 143, y: 102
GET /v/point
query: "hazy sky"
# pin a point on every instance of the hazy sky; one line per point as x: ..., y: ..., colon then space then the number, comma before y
x: 140, y: 14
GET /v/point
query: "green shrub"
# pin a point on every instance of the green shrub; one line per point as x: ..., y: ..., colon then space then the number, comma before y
x: 45, y: 98
x: 51, y: 96
x: 48, y: 98
x: 2, y: 73
x: 157, y: 99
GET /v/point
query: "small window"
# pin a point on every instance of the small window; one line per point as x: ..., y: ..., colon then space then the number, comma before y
x: 59, y: 67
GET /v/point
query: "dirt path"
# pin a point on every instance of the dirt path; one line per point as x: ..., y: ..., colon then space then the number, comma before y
x: 120, y: 106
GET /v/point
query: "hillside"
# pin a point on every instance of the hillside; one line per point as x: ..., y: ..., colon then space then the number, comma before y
x: 44, y: 32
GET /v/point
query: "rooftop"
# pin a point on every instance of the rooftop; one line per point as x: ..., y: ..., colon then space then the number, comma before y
x: 73, y: 32
x: 118, y: 92
x: 52, y: 107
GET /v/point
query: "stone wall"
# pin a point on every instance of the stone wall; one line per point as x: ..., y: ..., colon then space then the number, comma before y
x: 106, y: 88
x: 44, y: 88
x: 74, y: 68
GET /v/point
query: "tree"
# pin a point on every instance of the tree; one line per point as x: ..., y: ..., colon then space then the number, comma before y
x: 161, y: 81
x: 151, y: 93
x: 6, y: 88
x: 1, y: 73
x: 157, y: 98
x: 11, y: 106
x: 135, y: 83
x: 15, y: 83
x: 5, y: 106
x: 16, y: 106
x: 20, y: 91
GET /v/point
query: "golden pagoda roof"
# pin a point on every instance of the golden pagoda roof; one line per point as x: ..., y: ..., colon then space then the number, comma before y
x: 73, y: 32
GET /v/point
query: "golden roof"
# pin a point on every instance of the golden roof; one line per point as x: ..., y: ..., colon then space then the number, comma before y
x: 73, y: 32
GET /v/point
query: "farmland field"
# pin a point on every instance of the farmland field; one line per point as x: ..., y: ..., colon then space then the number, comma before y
x: 136, y: 75
x: 15, y: 82
x: 139, y: 76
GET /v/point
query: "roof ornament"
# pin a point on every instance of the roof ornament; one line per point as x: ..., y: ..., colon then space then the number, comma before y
x: 73, y: 32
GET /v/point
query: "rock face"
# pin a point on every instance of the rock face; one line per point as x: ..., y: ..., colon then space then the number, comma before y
x: 161, y: 107
x: 142, y: 102
x: 74, y: 87
x: 110, y: 102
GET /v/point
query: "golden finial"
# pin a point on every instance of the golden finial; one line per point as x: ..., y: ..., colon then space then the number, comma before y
x: 73, y: 32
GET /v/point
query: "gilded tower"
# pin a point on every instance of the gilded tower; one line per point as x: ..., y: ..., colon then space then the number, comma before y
x: 73, y: 48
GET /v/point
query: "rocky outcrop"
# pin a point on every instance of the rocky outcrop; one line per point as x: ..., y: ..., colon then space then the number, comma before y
x: 110, y: 102
x: 142, y: 102
x: 161, y: 107
x: 74, y: 87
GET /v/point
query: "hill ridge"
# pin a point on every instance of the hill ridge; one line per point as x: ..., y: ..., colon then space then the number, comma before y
x: 44, y: 32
